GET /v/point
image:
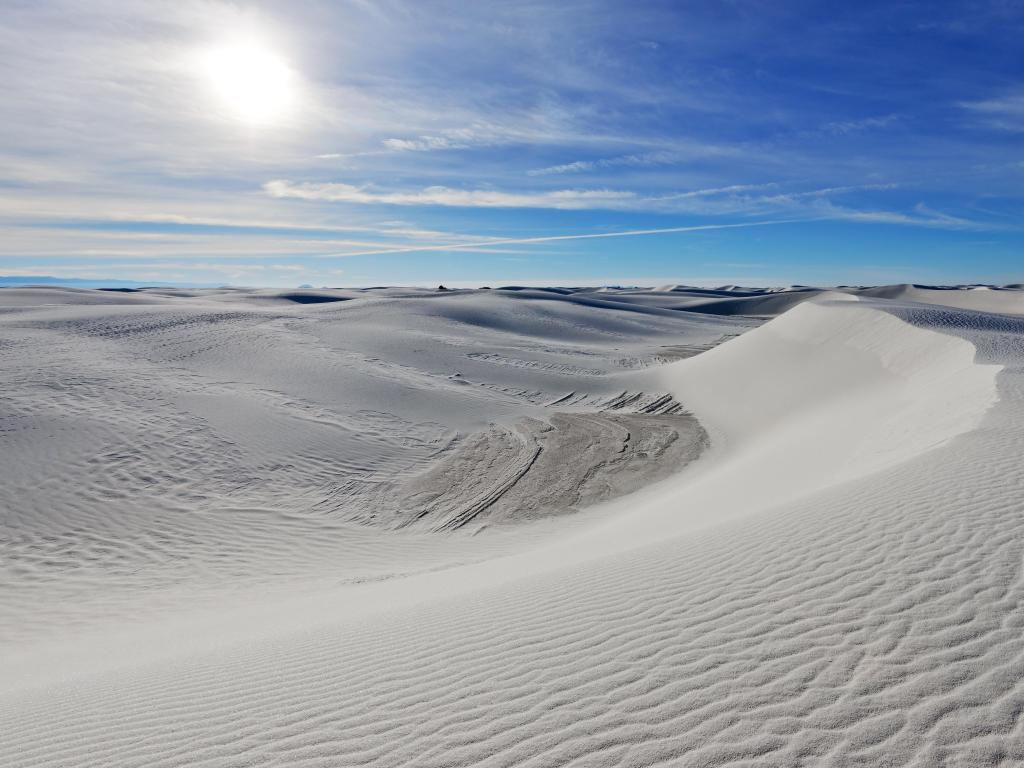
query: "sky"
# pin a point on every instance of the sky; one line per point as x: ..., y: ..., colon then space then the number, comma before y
x: 377, y: 142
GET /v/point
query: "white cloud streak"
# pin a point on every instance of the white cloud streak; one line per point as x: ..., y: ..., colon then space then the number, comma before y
x: 732, y: 189
x: 1004, y: 113
x: 423, y: 144
x: 925, y: 217
x: 564, y: 199
x: 635, y: 160
x: 735, y: 199
x: 843, y: 127
x: 560, y: 199
x: 559, y: 238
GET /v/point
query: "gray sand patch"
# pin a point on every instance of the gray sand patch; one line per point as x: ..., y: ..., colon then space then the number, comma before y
x: 539, y: 468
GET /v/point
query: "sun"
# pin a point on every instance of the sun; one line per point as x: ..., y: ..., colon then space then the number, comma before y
x: 252, y: 82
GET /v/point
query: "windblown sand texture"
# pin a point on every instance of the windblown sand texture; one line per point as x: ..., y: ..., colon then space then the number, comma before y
x: 538, y: 527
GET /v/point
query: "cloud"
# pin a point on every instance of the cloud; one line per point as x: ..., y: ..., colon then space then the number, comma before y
x: 635, y: 160
x: 731, y: 199
x: 1005, y: 113
x: 40, y: 215
x: 161, y: 270
x: 423, y: 144
x: 579, y: 236
x: 822, y: 210
x: 579, y: 165
x: 843, y: 127
x: 563, y: 199
x: 560, y: 199
x: 923, y: 216
x: 795, y: 198
x: 161, y: 236
x: 732, y: 189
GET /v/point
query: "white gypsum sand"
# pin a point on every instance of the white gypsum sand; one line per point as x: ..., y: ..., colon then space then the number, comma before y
x: 835, y: 580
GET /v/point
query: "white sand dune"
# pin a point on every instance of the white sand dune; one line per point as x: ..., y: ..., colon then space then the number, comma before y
x: 981, y: 298
x: 771, y: 302
x: 837, y: 580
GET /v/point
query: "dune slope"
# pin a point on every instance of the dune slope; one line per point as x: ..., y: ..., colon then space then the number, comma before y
x: 838, y: 581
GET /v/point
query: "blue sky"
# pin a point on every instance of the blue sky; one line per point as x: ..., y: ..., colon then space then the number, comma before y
x: 368, y: 143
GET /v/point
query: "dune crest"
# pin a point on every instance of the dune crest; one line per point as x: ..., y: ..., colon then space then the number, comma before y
x: 821, y: 395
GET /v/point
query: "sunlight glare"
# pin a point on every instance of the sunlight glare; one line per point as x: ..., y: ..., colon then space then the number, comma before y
x: 252, y: 82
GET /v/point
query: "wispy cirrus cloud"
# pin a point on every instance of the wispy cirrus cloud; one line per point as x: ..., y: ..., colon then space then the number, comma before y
x: 452, y: 139
x: 562, y: 199
x: 558, y: 199
x: 842, y: 127
x: 165, y: 271
x: 1005, y: 113
x: 742, y: 199
x: 730, y: 190
x: 638, y: 160
x: 796, y: 196
x: 923, y: 217
x: 919, y: 216
x: 736, y: 199
x: 563, y: 238
x: 422, y: 144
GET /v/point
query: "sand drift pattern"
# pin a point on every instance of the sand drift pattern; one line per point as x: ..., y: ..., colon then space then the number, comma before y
x: 837, y: 580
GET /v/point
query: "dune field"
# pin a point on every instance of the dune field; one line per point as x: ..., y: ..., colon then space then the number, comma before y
x: 512, y: 527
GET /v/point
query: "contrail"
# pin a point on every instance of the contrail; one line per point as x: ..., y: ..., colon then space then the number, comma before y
x: 553, y: 238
